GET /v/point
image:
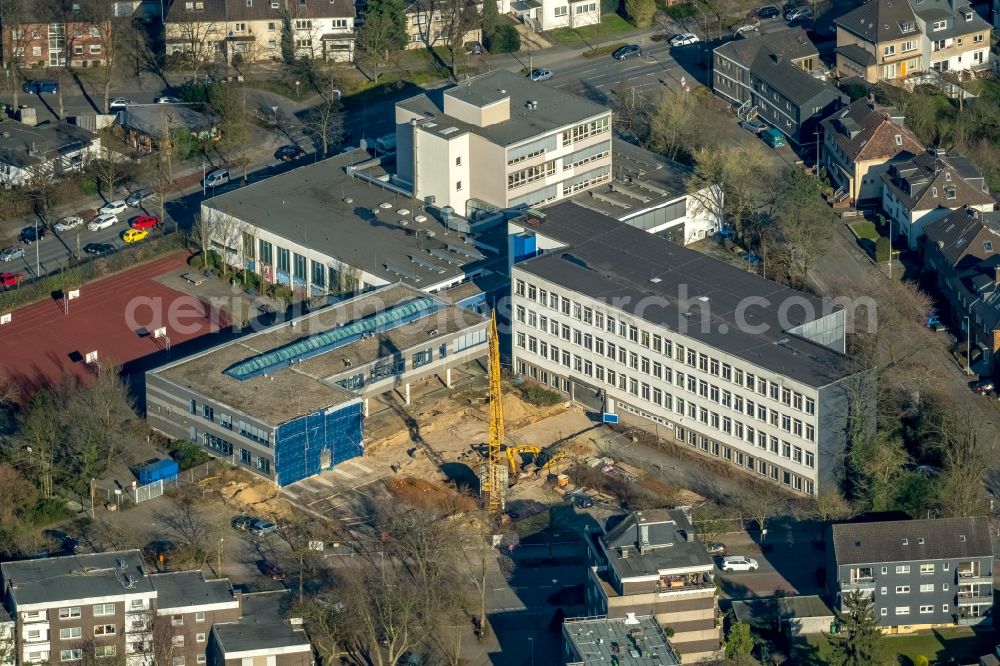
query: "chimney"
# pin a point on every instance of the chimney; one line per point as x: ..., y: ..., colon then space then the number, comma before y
x: 776, y: 57
x: 996, y: 275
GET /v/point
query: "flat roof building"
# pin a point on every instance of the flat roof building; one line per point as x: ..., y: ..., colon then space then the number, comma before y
x: 262, y: 632
x: 629, y: 641
x: 288, y: 402
x: 500, y: 140
x: 55, y: 148
x: 344, y: 225
x: 735, y: 366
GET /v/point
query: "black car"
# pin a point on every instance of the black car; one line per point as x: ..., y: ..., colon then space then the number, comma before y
x: 768, y: 11
x: 243, y: 523
x: 98, y: 248
x: 31, y: 234
x: 289, y: 153
x: 583, y: 501
x: 627, y: 51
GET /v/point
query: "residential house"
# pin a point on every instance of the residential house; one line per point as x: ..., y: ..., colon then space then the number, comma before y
x: 630, y: 641
x: 261, y: 635
x: 888, y: 40
x: 770, y: 77
x: 919, y: 574
x: 110, y: 605
x: 430, y: 24
x: 804, y: 616
x: 147, y: 126
x: 962, y: 252
x: 924, y: 188
x: 51, y: 148
x: 544, y: 15
x: 770, y: 404
x: 252, y: 29
x: 498, y: 141
x: 650, y: 563
x: 860, y: 143
x: 53, y: 34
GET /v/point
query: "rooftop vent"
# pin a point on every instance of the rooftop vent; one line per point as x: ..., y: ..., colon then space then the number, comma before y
x: 857, y: 544
x: 655, y: 280
x: 961, y: 538
x: 630, y: 619
x: 920, y: 540
x: 348, y: 200
x: 385, y: 205
x: 906, y: 542
x: 420, y: 218
x: 403, y: 211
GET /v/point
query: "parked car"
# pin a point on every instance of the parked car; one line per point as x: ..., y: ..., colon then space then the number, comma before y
x: 289, y: 152
x: 139, y: 197
x: 39, y: 86
x: 31, y: 234
x: 474, y: 48
x: 102, y: 221
x: 684, y: 39
x: 135, y: 235
x: 746, y: 25
x: 217, y: 177
x: 8, y: 280
x: 582, y: 501
x: 98, y: 248
x: 271, y: 570
x: 540, y: 75
x: 935, y: 324
x: 145, y: 222
x: 715, y: 548
x: 242, y: 523
x: 982, y: 386
x: 800, y: 13
x: 167, y: 99
x: 119, y: 103
x: 739, y: 563
x: 11, y: 253
x: 159, y: 550
x: 768, y: 11
x: 627, y: 51
x: 263, y: 528
x: 68, y: 223
x: 113, y: 207
x: 754, y: 126
x: 773, y: 137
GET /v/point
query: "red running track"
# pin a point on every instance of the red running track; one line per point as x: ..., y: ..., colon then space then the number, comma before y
x: 42, y: 345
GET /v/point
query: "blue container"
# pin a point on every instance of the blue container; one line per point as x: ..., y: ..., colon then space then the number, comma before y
x: 161, y: 469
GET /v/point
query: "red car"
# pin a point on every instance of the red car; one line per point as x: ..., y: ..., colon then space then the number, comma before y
x: 8, y: 280
x: 145, y: 222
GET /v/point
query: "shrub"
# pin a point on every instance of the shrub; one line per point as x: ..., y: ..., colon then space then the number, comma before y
x: 882, y: 249
x: 46, y: 511
x: 920, y: 660
x: 505, y: 40
x: 188, y: 454
x: 538, y: 395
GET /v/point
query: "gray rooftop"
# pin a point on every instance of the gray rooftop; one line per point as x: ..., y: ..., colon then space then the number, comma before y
x: 189, y: 588
x: 59, y: 579
x: 880, y: 21
x: 615, y: 263
x: 307, y: 386
x: 958, y: 24
x: 261, y: 625
x: 158, y: 120
x: 792, y: 81
x: 792, y: 43
x: 641, y: 180
x: 325, y: 208
x: 911, y: 540
x: 555, y: 108
x: 638, y: 641
x: 23, y: 145
x: 657, y: 541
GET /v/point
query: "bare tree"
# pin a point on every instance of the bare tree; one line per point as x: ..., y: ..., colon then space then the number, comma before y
x: 110, y: 168
x: 40, y: 435
x: 197, y: 539
x: 761, y: 501
x: 96, y: 416
x: 197, y: 42
x: 13, y: 21
x: 326, y: 122
x: 458, y: 17
x: 732, y: 169
x: 113, y: 31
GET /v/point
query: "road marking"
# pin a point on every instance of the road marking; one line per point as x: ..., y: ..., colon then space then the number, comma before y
x: 341, y: 473
x: 363, y: 468
x: 325, y: 482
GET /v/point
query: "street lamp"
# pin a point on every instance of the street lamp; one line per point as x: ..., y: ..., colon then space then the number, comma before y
x: 297, y: 83
x: 968, y: 346
x: 274, y: 109
x: 531, y: 640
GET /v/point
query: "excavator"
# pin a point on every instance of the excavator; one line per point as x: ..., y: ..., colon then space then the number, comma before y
x: 543, y: 459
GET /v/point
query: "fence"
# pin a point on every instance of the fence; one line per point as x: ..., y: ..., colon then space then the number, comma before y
x: 125, y: 495
x: 150, y: 490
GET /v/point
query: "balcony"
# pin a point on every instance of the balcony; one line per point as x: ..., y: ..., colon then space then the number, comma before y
x: 974, y: 599
x: 862, y: 584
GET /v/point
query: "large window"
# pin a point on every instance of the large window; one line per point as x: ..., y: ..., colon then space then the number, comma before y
x: 283, y: 260
x: 67, y: 613
x: 318, y: 274
x: 253, y: 432
x: 585, y: 130
x: 530, y: 174
x: 101, y: 610
x: 218, y: 444
x: 300, y: 266
x: 266, y: 250
x: 76, y: 654
x: 422, y: 358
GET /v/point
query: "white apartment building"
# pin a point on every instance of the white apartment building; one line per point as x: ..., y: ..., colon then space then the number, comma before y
x: 206, y: 29
x: 734, y: 366
x: 551, y: 14
x: 499, y: 141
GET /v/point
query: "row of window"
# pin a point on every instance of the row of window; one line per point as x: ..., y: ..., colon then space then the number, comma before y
x: 905, y: 610
x: 248, y: 430
x: 652, y: 341
x: 530, y: 174
x: 585, y: 130
x: 101, y: 652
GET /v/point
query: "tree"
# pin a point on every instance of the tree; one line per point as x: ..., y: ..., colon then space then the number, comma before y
x: 383, y: 32
x: 859, y: 642
x: 804, y: 224
x: 113, y: 31
x: 457, y: 18
x: 287, y: 39
x: 13, y: 18
x: 40, y: 434
x: 675, y: 125
x: 17, y: 495
x: 964, y: 447
x: 110, y: 169
x: 506, y: 39
x: 640, y: 12
x: 490, y: 19
x: 228, y: 101
x: 734, y: 170
x: 195, y: 40
x: 95, y: 416
x: 326, y: 120
x: 739, y: 643
x: 761, y: 501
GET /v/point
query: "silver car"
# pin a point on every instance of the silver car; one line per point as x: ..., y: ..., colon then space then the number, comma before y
x: 540, y: 75
x: 68, y: 223
x: 11, y: 253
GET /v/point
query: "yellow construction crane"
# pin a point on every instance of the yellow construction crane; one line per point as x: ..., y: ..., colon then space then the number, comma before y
x: 492, y: 482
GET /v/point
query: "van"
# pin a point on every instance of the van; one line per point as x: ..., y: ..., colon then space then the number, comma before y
x: 39, y: 86
x: 773, y: 137
x: 386, y: 144
x: 217, y: 177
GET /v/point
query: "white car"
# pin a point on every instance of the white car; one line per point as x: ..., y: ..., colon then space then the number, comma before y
x: 68, y: 223
x: 684, y: 39
x: 102, y: 222
x: 167, y: 99
x: 119, y: 103
x: 114, y: 207
x: 800, y: 13
x: 739, y: 563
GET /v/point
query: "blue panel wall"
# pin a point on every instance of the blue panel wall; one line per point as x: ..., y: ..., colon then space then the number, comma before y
x: 525, y: 246
x: 299, y: 444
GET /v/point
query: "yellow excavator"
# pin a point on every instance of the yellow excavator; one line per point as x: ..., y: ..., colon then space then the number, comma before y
x: 514, y: 459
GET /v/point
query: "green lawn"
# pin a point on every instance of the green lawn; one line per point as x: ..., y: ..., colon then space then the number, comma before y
x: 960, y: 645
x: 611, y: 25
x: 865, y: 230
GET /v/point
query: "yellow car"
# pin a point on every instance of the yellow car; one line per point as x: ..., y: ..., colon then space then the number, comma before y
x: 134, y: 235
